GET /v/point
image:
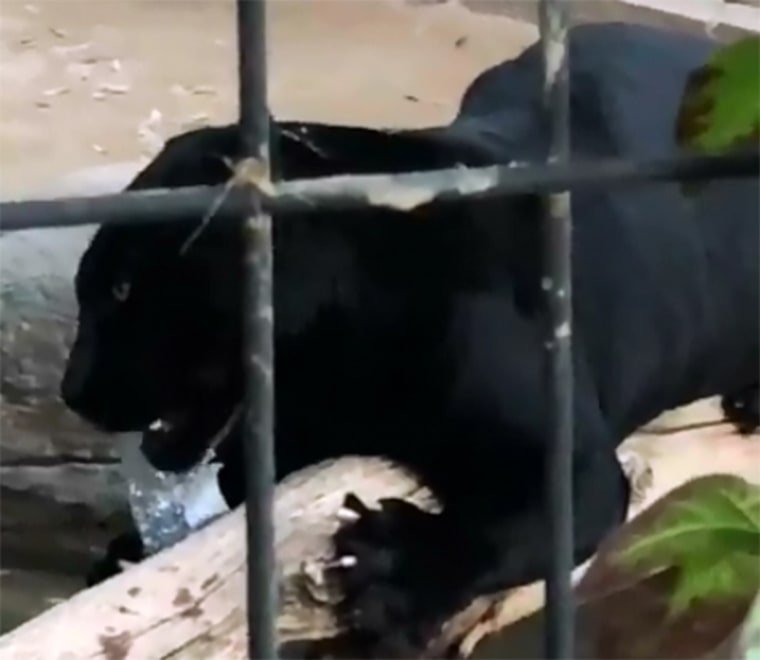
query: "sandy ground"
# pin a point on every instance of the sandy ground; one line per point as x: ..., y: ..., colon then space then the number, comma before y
x: 86, y: 83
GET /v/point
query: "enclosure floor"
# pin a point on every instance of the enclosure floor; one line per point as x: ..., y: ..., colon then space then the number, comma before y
x: 338, y: 60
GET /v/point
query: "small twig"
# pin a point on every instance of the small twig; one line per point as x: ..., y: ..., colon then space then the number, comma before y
x: 246, y: 172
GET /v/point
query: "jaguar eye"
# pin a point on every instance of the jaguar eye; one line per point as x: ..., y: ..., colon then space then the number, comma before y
x: 120, y: 291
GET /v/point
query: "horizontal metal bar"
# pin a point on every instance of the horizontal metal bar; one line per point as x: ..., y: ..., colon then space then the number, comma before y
x: 157, y: 205
x: 401, y: 191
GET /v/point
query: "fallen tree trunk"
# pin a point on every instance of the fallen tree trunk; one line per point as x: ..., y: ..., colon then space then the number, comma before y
x: 189, y: 600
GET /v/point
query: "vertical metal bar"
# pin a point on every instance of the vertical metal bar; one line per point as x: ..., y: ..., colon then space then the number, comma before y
x: 560, y: 620
x: 259, y: 347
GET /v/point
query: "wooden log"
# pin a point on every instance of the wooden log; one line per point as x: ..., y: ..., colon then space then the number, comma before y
x: 189, y: 600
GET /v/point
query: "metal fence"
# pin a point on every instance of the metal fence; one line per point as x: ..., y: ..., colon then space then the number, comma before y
x: 256, y: 196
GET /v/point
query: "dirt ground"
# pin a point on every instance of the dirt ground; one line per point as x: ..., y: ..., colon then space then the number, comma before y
x: 84, y: 83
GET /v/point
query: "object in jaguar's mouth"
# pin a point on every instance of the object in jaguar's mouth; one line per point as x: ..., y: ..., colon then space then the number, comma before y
x: 166, y: 507
x: 157, y: 514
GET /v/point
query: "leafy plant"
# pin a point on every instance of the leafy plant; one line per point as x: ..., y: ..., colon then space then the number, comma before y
x: 711, y: 538
x: 720, y: 107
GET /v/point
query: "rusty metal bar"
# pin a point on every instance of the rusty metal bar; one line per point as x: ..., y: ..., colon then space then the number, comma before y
x: 557, y: 286
x: 259, y: 345
x: 318, y: 195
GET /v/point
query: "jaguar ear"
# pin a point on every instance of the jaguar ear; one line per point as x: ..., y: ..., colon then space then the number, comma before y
x: 198, y: 157
x: 305, y: 150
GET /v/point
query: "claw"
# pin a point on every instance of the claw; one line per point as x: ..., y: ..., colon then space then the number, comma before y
x: 125, y: 565
x: 347, y: 561
x: 347, y: 515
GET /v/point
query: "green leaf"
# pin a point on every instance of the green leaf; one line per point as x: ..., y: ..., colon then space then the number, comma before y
x: 725, y: 516
x: 732, y: 575
x: 712, y: 537
x: 720, y: 107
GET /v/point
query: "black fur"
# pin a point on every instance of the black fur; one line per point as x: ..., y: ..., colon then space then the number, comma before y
x: 418, y: 336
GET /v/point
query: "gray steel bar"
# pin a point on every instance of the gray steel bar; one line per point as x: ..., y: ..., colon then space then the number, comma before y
x: 356, y: 192
x: 259, y: 348
x: 557, y: 286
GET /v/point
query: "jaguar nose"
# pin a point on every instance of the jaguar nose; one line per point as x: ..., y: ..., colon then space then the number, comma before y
x: 73, y: 389
x: 97, y: 398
